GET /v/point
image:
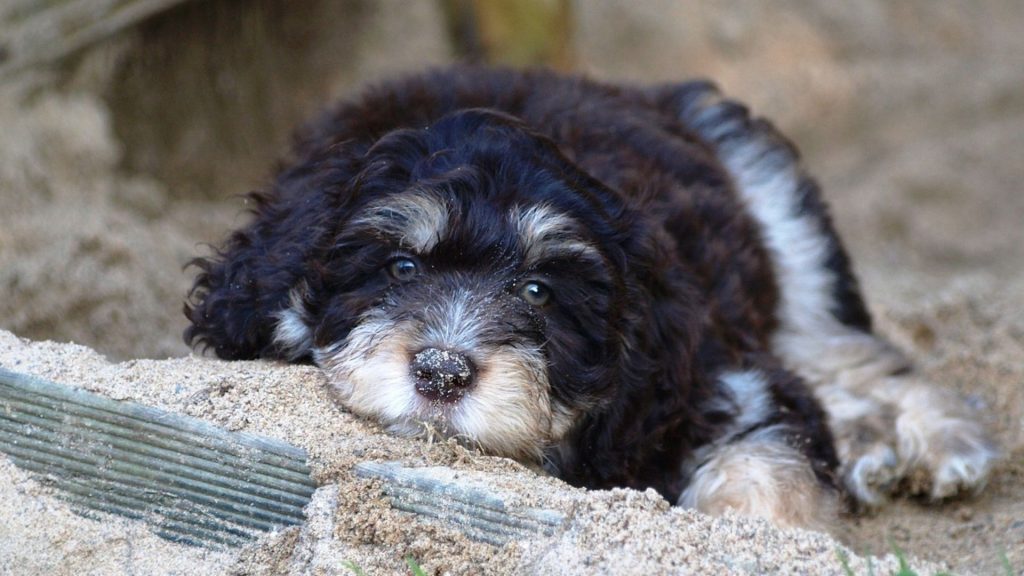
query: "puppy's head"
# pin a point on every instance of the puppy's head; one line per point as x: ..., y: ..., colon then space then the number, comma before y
x: 464, y: 278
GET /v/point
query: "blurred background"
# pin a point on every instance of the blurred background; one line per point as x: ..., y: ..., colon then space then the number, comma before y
x: 128, y: 137
x: 130, y: 128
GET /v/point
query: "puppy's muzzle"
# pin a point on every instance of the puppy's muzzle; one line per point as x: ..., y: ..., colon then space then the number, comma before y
x: 442, y: 375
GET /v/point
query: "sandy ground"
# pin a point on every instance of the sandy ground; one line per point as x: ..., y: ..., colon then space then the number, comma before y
x: 911, y: 115
x: 349, y: 519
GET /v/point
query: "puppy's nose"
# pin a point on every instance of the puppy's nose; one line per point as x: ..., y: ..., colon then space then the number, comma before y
x: 441, y: 374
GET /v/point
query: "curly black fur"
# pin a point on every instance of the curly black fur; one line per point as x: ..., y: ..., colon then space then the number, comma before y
x: 684, y: 288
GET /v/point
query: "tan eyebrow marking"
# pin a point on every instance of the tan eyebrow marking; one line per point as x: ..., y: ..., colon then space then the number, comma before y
x: 418, y: 220
x: 546, y: 233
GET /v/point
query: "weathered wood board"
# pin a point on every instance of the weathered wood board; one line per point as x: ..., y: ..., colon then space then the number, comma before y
x: 192, y: 481
x: 199, y: 484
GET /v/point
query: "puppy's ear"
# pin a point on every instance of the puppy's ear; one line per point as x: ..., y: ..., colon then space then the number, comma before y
x: 650, y: 421
x: 248, y: 299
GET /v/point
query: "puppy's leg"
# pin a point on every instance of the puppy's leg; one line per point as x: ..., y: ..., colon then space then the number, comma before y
x: 761, y: 475
x: 774, y: 457
x: 888, y: 423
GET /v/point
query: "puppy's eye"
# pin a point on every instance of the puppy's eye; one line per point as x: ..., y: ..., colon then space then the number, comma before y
x: 535, y: 293
x: 402, y: 269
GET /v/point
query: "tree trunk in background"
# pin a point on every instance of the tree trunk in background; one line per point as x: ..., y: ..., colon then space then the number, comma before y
x: 512, y: 32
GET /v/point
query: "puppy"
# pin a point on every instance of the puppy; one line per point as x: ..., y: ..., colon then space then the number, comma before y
x: 629, y: 286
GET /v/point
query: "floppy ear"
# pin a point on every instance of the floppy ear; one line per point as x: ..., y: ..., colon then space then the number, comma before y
x: 255, y: 281
x: 651, y: 422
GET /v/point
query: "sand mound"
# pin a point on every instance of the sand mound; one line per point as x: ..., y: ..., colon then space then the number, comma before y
x: 349, y: 519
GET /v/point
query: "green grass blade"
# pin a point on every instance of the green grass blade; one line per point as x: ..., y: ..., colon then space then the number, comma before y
x: 355, y: 568
x: 844, y: 561
x: 416, y: 570
x: 1006, y: 563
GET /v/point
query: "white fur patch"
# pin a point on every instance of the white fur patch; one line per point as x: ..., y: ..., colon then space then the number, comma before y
x: 795, y: 243
x: 369, y: 370
x: 760, y: 475
x: 455, y: 321
x: 752, y: 403
x: 508, y: 410
x: 291, y: 334
x: 769, y: 185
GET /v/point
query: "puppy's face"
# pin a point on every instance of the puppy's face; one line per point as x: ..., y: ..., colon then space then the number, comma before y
x: 470, y: 290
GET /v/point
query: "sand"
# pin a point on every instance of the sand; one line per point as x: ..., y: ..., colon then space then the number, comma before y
x: 40, y: 534
x: 349, y: 519
x: 911, y: 116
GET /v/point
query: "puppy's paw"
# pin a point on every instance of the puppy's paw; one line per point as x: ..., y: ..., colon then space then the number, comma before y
x: 947, y: 449
x: 864, y: 430
x: 871, y: 475
x: 956, y: 456
x: 917, y: 439
x: 963, y: 472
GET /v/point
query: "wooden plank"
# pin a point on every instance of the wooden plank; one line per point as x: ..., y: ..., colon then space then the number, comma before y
x: 196, y: 483
x: 192, y: 481
x: 38, y: 32
x: 478, y: 511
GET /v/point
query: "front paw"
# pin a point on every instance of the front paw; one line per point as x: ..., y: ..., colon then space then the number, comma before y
x: 948, y: 457
x: 873, y: 475
x: 864, y: 430
x: 920, y: 440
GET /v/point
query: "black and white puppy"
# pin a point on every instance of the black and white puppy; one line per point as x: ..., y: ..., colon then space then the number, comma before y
x: 629, y: 286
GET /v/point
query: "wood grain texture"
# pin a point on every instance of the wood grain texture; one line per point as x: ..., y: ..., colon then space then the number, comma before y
x: 192, y: 481
x: 479, y: 512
